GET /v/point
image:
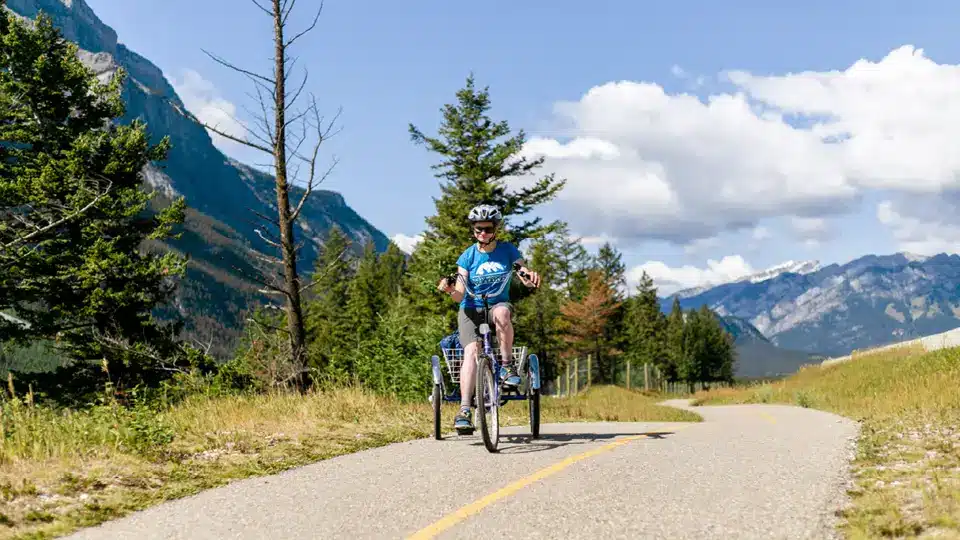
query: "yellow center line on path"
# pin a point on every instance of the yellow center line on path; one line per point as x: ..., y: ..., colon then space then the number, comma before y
x: 475, y: 507
x: 768, y: 417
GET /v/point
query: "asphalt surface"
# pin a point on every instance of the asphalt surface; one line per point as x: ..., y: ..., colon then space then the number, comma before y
x: 747, y: 471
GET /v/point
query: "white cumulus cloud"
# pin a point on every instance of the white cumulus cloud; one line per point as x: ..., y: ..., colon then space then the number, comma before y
x: 201, y: 97
x: 925, y: 225
x: 669, y: 280
x: 643, y: 164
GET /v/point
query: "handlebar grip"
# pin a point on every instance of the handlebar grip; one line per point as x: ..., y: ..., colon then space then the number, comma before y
x: 450, y: 280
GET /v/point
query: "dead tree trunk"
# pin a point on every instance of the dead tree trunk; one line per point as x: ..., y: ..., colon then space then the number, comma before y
x: 295, y: 324
x: 274, y: 139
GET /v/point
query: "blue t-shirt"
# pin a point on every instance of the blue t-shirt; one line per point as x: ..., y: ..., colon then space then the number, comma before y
x: 487, y: 271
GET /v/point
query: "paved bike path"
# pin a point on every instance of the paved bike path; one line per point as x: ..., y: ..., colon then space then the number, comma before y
x: 747, y: 471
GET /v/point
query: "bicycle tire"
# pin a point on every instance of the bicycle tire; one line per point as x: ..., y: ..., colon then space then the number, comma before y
x: 490, y: 431
x: 534, y: 400
x: 437, y: 400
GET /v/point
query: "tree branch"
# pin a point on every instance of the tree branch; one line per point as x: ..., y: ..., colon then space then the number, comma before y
x: 246, y: 72
x: 40, y: 230
x: 267, y: 240
x: 318, y: 278
x: 190, y: 116
x: 305, y: 31
x: 321, y: 137
x: 265, y: 10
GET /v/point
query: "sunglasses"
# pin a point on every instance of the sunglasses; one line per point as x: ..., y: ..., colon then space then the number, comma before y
x: 478, y: 230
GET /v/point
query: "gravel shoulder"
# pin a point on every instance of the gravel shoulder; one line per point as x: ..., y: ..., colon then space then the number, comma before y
x: 747, y: 471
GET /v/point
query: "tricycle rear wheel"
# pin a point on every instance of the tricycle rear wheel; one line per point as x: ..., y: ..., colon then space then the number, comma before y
x: 437, y: 401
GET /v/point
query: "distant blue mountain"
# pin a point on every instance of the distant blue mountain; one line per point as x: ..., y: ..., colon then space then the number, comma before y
x: 870, y: 301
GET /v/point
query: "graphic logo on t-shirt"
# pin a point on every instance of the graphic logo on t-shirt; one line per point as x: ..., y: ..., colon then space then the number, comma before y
x: 489, y: 267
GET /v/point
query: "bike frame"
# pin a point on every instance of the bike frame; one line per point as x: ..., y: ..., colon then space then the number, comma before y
x: 487, y: 351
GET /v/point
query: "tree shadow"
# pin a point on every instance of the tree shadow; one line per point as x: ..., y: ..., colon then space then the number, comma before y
x: 524, y: 443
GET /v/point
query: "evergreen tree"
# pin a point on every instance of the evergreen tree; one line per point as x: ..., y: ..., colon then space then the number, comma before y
x: 693, y: 364
x: 328, y: 327
x: 538, y: 316
x: 674, y: 353
x: 392, y: 360
x: 365, y: 300
x: 609, y: 261
x: 574, y: 263
x: 74, y: 217
x: 390, y: 272
x: 646, y: 327
x: 721, y: 350
x: 474, y: 169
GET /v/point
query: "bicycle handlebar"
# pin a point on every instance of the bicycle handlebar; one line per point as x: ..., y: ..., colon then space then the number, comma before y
x: 466, y: 285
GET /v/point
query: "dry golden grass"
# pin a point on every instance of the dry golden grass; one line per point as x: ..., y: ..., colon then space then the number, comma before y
x: 61, y: 471
x: 907, y: 469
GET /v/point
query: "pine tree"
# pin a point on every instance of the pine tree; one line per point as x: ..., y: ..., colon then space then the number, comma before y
x: 365, y: 301
x: 721, y: 350
x: 674, y: 353
x: 390, y: 272
x: 328, y: 327
x: 609, y: 261
x: 75, y: 220
x: 538, y: 316
x: 574, y: 263
x: 693, y: 365
x: 646, y: 326
x: 474, y: 169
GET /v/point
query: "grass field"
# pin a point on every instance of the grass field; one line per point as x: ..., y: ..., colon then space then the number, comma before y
x: 61, y: 470
x: 907, y: 470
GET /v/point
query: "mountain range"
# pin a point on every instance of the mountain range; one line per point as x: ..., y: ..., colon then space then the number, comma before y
x: 832, y: 310
x: 222, y: 193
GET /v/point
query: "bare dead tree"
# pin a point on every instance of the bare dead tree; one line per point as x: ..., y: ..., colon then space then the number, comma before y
x: 274, y: 133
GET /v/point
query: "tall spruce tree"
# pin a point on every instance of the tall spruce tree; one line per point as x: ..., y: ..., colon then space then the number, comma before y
x: 75, y: 219
x: 610, y: 261
x: 675, y: 329
x: 574, y: 263
x: 390, y: 272
x: 646, y: 326
x: 694, y: 364
x: 365, y: 299
x: 327, y: 324
x: 721, y: 350
x: 474, y: 168
x: 538, y: 316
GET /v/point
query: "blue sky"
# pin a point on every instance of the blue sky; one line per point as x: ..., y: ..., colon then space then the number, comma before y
x: 391, y: 63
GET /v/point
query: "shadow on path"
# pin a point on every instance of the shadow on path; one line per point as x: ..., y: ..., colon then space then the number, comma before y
x: 524, y: 443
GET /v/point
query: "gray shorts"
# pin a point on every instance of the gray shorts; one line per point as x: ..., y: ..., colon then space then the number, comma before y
x: 470, y: 319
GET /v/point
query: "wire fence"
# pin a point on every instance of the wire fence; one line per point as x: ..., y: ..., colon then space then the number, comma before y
x: 579, y: 374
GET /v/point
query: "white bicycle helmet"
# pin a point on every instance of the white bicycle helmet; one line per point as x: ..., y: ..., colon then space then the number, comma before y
x: 485, y: 212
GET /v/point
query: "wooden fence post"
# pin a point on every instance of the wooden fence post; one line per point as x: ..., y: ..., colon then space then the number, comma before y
x: 628, y: 374
x: 576, y: 375
x: 589, y: 371
x: 646, y: 376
